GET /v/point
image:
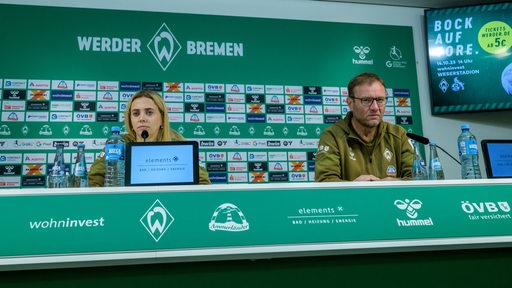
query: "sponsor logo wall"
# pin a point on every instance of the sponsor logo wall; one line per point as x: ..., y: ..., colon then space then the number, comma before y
x: 251, y: 99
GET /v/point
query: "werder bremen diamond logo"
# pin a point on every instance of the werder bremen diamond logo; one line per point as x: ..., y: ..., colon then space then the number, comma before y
x: 164, y: 46
x: 157, y: 220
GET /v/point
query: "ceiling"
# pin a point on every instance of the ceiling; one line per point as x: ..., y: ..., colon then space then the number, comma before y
x: 422, y: 3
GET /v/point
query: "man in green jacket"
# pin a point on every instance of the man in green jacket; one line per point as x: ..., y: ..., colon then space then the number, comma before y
x: 362, y: 147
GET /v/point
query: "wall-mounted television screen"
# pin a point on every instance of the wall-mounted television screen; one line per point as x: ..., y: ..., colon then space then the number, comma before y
x: 470, y: 58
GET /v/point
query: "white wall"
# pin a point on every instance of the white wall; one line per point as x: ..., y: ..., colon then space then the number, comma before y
x: 442, y: 129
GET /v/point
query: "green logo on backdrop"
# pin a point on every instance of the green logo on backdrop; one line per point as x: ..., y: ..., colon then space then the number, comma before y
x: 164, y: 46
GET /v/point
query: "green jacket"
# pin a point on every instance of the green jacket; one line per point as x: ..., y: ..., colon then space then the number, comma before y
x: 343, y: 156
x: 97, y: 171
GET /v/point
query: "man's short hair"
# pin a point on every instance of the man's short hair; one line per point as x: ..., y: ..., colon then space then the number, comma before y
x: 363, y: 78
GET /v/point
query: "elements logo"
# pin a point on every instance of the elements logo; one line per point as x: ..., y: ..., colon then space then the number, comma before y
x: 157, y: 220
x: 164, y: 46
x: 228, y: 217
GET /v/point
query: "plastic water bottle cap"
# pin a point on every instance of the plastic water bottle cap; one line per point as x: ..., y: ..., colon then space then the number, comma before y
x: 116, y: 129
x: 464, y: 126
x: 80, y: 145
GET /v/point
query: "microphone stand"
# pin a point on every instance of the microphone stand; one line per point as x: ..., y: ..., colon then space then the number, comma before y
x: 441, y: 148
x: 425, y: 141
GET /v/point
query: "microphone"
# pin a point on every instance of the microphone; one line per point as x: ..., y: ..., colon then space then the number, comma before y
x: 144, y: 134
x: 418, y: 138
x: 425, y: 141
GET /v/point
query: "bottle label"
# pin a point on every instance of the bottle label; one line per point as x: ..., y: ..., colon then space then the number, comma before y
x: 436, y: 164
x: 114, y: 152
x: 468, y: 147
x: 80, y: 170
x: 57, y: 170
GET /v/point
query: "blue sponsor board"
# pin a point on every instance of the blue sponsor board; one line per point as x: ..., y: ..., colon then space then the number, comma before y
x: 218, y: 177
x: 402, y: 92
x: 311, y: 166
x: 66, y: 95
x: 256, y: 118
x: 129, y: 86
x: 220, y: 108
x: 312, y: 100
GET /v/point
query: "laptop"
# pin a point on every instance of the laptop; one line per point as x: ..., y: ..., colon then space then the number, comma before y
x: 162, y: 163
x: 497, y: 158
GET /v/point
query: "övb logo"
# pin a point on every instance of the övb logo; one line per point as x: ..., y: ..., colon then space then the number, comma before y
x: 485, y: 207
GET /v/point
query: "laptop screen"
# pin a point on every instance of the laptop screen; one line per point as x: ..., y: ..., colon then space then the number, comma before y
x: 498, y: 158
x: 162, y: 163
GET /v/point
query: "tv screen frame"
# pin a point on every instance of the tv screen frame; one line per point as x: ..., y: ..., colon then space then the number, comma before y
x: 469, y: 58
x: 162, y: 163
x: 497, y: 155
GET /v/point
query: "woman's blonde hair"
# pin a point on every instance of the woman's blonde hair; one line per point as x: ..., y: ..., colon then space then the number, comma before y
x: 164, y: 134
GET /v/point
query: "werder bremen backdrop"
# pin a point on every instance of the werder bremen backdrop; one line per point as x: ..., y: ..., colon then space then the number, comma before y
x: 255, y: 93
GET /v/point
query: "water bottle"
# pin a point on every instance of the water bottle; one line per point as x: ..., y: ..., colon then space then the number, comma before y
x: 419, y: 169
x: 435, y: 170
x: 79, y: 178
x: 57, y: 177
x: 468, y: 154
x: 114, y: 159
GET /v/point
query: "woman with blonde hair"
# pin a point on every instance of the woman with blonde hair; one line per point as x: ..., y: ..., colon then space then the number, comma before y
x: 146, y: 111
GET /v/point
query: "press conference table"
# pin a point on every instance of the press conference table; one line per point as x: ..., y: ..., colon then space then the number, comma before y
x: 102, y: 226
x: 78, y: 227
